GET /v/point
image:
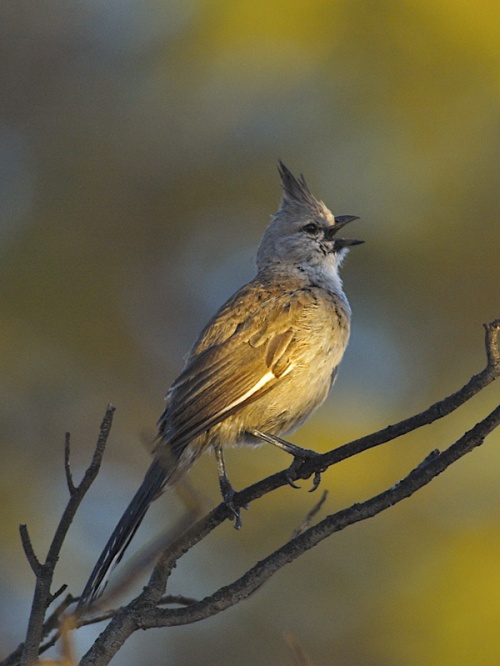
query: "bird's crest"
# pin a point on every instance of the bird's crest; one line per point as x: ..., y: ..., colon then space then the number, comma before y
x: 296, y: 191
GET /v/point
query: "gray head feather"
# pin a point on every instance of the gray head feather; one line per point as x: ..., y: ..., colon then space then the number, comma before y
x: 296, y: 191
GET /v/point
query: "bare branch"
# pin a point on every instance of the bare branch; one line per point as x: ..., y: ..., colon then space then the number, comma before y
x: 168, y: 599
x: 492, y: 347
x: 145, y: 558
x: 261, y: 572
x: 149, y: 609
x: 57, y: 593
x: 54, y: 620
x: 33, y: 560
x: 433, y: 413
x: 67, y: 625
x: 95, y: 464
x: 178, y: 599
x: 44, y: 573
x: 67, y: 466
x: 143, y: 613
x: 52, y: 623
x: 308, y: 519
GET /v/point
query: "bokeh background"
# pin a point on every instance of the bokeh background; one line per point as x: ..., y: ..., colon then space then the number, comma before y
x: 138, y: 151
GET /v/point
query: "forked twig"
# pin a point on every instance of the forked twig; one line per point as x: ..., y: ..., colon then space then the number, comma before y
x: 44, y: 572
x: 152, y: 609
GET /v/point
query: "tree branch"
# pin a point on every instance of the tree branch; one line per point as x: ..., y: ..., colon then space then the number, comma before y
x: 310, y: 515
x: 148, y: 609
x: 261, y: 572
x: 44, y: 572
x: 433, y: 413
x: 144, y: 611
x: 33, y: 560
x: 67, y: 466
x: 322, y: 462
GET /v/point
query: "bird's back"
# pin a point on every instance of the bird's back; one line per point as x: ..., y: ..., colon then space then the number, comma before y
x: 253, y: 365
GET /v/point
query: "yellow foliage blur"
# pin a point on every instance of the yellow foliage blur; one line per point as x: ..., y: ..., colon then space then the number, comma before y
x: 138, y: 151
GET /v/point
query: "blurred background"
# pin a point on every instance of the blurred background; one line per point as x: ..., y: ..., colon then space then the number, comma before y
x: 138, y: 152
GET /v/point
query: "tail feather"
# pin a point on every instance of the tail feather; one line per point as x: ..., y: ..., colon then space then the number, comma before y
x: 151, y: 487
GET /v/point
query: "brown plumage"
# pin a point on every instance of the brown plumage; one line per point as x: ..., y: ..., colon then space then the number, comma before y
x: 263, y: 363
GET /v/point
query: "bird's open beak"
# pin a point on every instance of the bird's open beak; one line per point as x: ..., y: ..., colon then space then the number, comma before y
x: 340, y: 243
x: 340, y: 222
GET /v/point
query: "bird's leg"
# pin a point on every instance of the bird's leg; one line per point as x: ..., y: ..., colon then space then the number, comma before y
x: 226, y: 488
x: 299, y: 455
x: 292, y: 449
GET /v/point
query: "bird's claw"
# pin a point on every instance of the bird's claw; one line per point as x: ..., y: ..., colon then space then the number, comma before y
x: 290, y: 482
x: 316, y: 481
x: 290, y: 472
x: 228, y: 495
x: 237, y: 517
x: 235, y: 511
x: 297, y: 462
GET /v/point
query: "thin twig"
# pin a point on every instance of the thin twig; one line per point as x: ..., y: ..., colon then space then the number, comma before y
x: 44, y: 576
x: 33, y: 560
x: 492, y: 330
x: 57, y: 593
x: 205, y: 525
x: 67, y: 466
x: 433, y: 413
x: 54, y: 619
x: 145, y: 611
x: 51, y: 623
x: 145, y: 558
x: 308, y: 519
x: 168, y: 599
x: 243, y: 587
x: 67, y: 625
x: 143, y: 614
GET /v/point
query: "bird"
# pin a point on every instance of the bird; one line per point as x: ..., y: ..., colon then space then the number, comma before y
x: 260, y: 367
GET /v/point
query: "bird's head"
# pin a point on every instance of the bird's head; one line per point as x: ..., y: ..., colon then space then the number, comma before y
x: 303, y: 232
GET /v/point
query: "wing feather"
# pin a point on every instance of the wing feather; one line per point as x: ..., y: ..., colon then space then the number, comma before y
x: 221, y: 378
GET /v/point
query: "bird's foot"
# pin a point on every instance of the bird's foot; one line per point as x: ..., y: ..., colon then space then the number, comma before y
x: 299, y: 457
x: 228, y: 492
x: 299, y: 454
x: 226, y: 489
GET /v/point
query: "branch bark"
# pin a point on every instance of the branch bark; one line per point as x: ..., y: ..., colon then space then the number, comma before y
x: 144, y: 611
x: 242, y: 588
x: 148, y: 609
x: 45, y: 572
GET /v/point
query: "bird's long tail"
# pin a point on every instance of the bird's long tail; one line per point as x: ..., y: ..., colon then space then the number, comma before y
x: 154, y: 481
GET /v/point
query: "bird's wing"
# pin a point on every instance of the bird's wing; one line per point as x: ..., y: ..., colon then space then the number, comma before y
x: 222, y: 378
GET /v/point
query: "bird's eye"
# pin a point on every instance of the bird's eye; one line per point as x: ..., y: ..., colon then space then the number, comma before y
x: 310, y: 228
